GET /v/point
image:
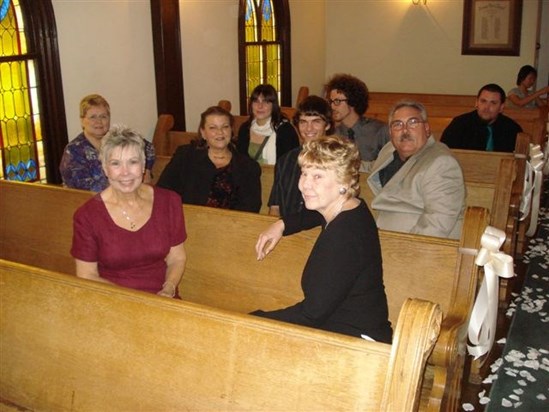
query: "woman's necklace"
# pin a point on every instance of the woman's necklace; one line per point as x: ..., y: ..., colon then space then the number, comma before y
x: 128, y: 218
x: 131, y: 221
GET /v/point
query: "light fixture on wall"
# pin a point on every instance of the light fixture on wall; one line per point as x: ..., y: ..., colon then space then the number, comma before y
x: 416, y: 2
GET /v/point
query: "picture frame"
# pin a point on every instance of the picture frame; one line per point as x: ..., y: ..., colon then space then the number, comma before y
x: 491, y: 27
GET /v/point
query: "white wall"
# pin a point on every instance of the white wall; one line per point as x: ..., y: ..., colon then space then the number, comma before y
x: 209, y: 40
x: 309, y: 22
x: 105, y: 47
x: 398, y: 46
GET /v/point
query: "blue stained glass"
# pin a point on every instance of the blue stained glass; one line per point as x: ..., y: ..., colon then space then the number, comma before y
x: 267, y: 11
x: 4, y: 9
x: 23, y: 172
x: 249, y: 9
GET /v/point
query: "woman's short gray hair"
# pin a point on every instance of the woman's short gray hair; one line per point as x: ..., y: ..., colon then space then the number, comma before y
x: 121, y: 136
x: 408, y: 103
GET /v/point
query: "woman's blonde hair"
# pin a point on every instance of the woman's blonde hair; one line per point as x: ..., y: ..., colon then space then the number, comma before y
x: 93, y: 100
x: 121, y: 136
x: 334, y: 153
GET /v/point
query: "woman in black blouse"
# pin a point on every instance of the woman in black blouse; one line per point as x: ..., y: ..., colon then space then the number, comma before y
x: 210, y: 171
x: 343, y: 278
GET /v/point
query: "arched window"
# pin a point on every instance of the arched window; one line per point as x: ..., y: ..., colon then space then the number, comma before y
x: 264, y: 48
x: 33, y: 130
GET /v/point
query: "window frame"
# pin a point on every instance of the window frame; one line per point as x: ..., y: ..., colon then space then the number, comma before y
x: 281, y: 9
x: 41, y: 34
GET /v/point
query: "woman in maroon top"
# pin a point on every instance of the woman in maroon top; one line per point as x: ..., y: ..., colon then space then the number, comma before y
x: 131, y: 234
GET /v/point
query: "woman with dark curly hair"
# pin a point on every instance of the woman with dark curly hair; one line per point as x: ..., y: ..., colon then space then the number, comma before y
x: 267, y: 134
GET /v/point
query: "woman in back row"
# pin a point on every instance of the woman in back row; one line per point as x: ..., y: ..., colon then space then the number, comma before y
x: 210, y: 171
x: 521, y: 96
x: 267, y: 134
x: 80, y: 166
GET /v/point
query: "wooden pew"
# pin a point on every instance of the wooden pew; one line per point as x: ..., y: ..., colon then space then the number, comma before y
x: 222, y: 270
x: 442, y: 108
x: 72, y: 344
x: 221, y: 276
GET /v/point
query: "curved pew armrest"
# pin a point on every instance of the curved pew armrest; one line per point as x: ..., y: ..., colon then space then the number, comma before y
x: 416, y: 332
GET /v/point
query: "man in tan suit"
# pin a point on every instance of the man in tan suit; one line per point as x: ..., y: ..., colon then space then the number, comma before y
x: 417, y: 182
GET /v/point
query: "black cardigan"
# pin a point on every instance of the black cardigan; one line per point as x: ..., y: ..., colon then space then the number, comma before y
x: 190, y: 173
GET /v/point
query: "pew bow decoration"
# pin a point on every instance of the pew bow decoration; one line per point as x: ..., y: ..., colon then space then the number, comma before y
x: 482, y: 325
x: 533, y: 181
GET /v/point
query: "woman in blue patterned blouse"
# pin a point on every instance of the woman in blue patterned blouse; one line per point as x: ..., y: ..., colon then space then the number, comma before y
x: 80, y: 166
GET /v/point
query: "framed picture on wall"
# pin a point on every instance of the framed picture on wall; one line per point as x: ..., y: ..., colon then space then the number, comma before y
x: 491, y: 27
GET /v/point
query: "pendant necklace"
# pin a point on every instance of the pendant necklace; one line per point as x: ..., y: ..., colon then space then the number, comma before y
x: 132, y: 223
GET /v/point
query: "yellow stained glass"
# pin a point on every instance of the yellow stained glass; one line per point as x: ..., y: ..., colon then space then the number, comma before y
x: 21, y: 146
x: 262, y: 52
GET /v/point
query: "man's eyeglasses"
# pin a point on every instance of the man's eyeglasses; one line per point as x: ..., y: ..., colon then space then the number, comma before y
x: 101, y: 117
x: 411, y: 124
x: 336, y: 102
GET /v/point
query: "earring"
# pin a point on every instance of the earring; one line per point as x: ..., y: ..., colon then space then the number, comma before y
x: 342, y: 191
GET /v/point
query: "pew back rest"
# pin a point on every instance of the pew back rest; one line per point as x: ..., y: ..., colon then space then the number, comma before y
x: 36, y: 224
x: 221, y: 255
x: 219, y: 275
x: 160, y: 164
x: 170, y: 355
x: 441, y: 109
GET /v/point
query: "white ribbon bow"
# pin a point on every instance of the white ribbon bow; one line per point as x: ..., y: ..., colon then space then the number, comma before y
x: 531, y: 194
x: 482, y: 325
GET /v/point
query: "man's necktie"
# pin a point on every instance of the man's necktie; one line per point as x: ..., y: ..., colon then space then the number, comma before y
x: 490, y: 141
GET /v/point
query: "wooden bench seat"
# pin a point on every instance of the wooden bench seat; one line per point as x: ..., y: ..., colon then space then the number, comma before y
x: 73, y: 344
x: 222, y: 270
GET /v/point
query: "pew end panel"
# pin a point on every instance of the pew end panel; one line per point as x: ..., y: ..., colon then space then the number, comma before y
x: 69, y: 343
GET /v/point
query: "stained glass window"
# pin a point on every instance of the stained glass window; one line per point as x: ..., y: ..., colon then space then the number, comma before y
x: 21, y: 145
x: 263, y: 45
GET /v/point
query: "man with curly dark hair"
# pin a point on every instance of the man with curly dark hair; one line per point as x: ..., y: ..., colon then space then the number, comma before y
x: 348, y: 97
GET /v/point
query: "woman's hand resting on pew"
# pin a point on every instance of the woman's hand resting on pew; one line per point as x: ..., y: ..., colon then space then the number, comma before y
x: 269, y: 239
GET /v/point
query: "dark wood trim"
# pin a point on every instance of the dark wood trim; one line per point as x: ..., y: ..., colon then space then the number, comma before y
x: 284, y: 27
x: 242, y: 59
x: 168, y: 64
x: 42, y: 39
